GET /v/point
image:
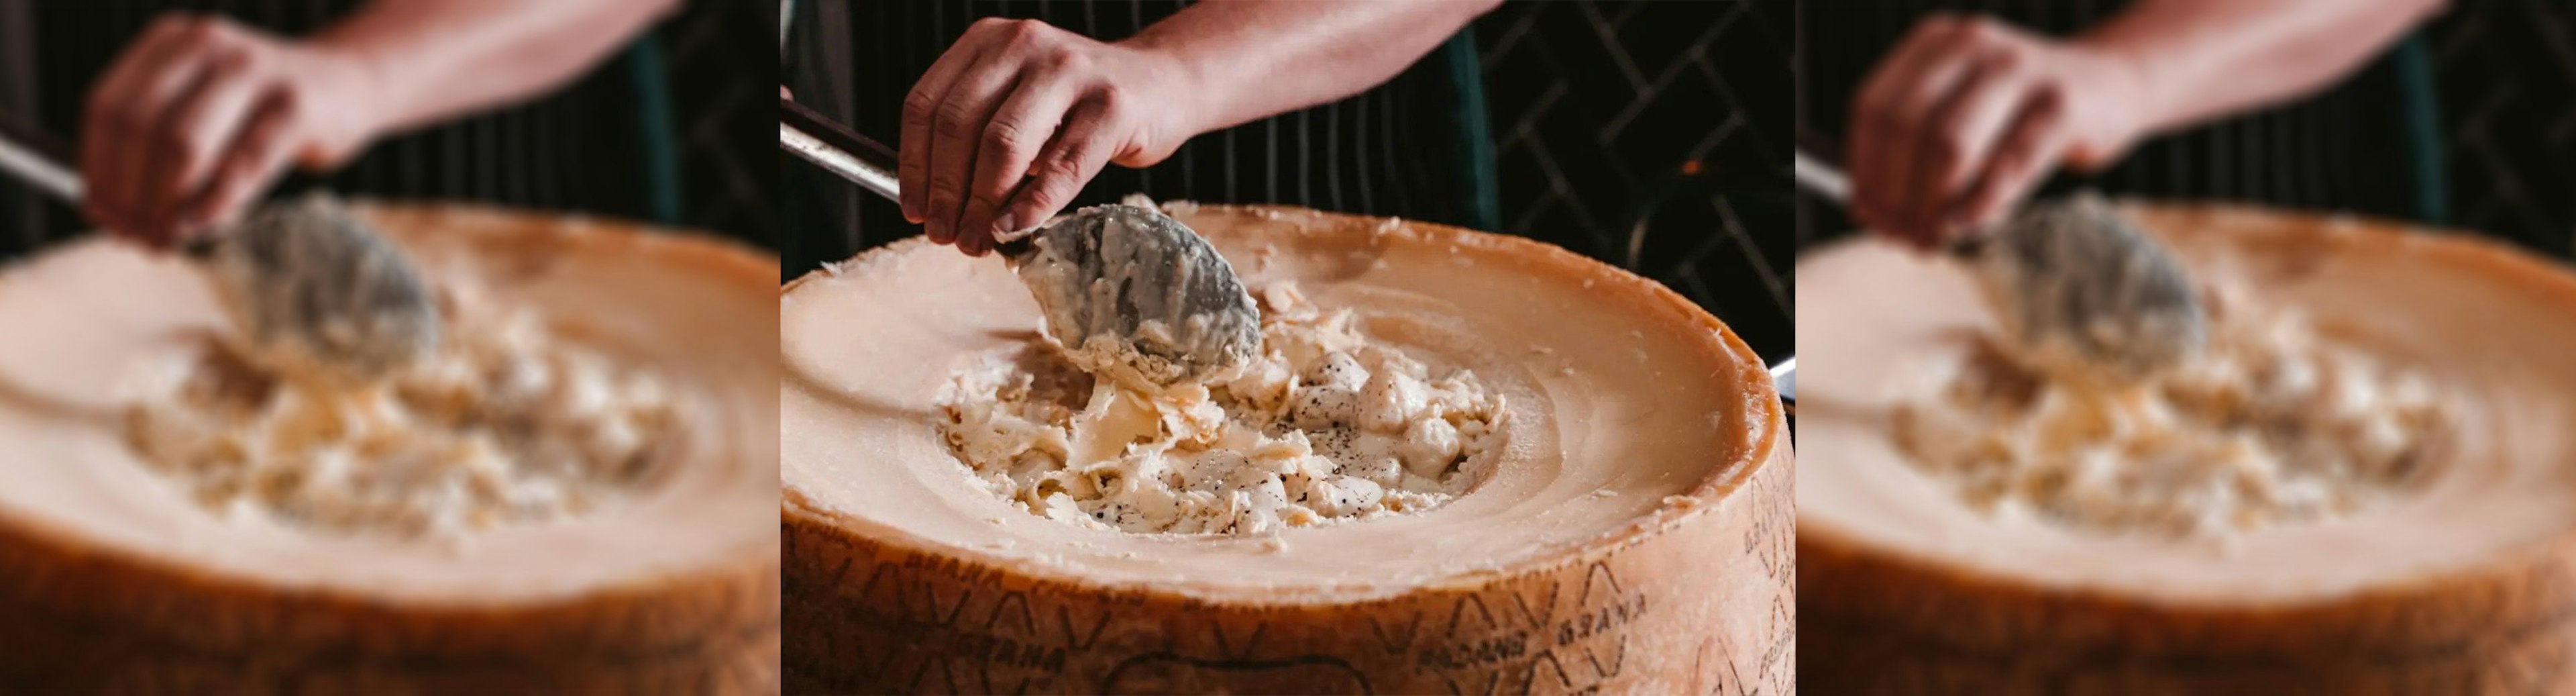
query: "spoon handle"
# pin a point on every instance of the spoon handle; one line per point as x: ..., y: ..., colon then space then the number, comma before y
x: 816, y: 138
x: 38, y: 158
x: 837, y: 149
x: 1822, y: 179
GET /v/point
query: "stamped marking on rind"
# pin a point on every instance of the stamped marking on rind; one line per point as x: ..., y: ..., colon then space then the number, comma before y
x: 1065, y: 613
x: 1773, y: 542
x: 1334, y: 668
x: 1536, y: 619
x: 1396, y: 644
x: 1458, y: 612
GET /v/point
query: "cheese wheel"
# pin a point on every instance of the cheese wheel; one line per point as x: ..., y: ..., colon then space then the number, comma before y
x: 2463, y: 582
x: 115, y: 581
x: 1633, y: 537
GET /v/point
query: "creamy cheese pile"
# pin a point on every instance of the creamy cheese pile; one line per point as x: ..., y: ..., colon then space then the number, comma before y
x: 503, y: 425
x: 1322, y: 426
x: 2270, y: 424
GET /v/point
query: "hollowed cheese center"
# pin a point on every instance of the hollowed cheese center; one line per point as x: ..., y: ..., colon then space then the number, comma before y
x: 2269, y: 424
x: 1323, y: 426
x: 504, y: 425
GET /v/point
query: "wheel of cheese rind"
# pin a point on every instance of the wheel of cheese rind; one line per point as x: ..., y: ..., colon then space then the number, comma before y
x: 113, y: 581
x: 2465, y: 584
x: 903, y: 576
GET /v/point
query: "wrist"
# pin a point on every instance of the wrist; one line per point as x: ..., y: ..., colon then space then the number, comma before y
x: 2118, y: 99
x: 1174, y: 90
x: 353, y: 97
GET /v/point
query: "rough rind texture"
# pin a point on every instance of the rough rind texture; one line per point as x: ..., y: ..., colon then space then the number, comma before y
x: 1886, y: 621
x: 81, y: 619
x: 1660, y: 610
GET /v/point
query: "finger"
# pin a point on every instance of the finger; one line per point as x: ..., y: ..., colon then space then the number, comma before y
x: 912, y: 156
x: 1021, y: 126
x: 1880, y: 121
x: 956, y: 132
x: 254, y: 160
x: 2028, y: 151
x: 193, y: 138
x: 1958, y: 135
x: 1914, y: 142
x: 1077, y: 153
x: 118, y: 115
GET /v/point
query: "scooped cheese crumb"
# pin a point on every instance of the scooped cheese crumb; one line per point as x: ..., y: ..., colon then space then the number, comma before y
x: 2271, y: 424
x: 502, y: 426
x: 1323, y: 426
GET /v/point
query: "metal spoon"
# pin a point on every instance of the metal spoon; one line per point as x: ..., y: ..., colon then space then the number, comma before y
x: 2073, y: 277
x: 1131, y: 293
x: 307, y: 280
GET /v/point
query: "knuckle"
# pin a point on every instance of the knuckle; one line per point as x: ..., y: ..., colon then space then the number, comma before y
x: 290, y: 104
x: 2048, y: 99
x: 1065, y: 58
x: 101, y: 111
x: 1059, y: 172
x: 952, y: 119
x: 1886, y: 118
x: 1112, y: 97
x: 182, y: 162
x: 1026, y: 31
x: 918, y: 104
x: 1981, y: 30
x: 235, y: 60
x: 129, y: 121
x: 1007, y: 135
x: 200, y: 30
x: 1057, y: 190
x: 173, y: 24
x: 1068, y: 164
x: 2010, y: 59
x: 1870, y: 108
x: 168, y: 140
x: 943, y: 193
x: 1944, y: 150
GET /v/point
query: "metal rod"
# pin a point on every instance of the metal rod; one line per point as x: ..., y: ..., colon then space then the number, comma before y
x: 25, y: 163
x: 1784, y: 377
x: 872, y: 177
x: 1822, y: 179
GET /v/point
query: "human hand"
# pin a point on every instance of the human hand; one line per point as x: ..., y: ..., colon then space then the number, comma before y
x: 1007, y: 126
x: 199, y: 115
x: 1967, y: 115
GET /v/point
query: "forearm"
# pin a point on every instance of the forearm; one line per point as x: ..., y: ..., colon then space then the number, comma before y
x: 1250, y: 59
x: 2205, y: 59
x: 432, y: 60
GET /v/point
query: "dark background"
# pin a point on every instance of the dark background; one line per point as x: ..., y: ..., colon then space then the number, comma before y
x: 1599, y: 109
x: 1650, y: 135
x: 2503, y: 88
x: 581, y: 149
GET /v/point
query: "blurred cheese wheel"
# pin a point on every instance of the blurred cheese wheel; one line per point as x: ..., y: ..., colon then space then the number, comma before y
x: 113, y: 580
x: 2465, y: 584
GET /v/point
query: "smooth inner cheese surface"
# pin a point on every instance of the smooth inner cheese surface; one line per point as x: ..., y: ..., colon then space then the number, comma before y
x: 1322, y: 426
x: 1620, y: 406
x: 98, y: 327
x: 1882, y: 329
